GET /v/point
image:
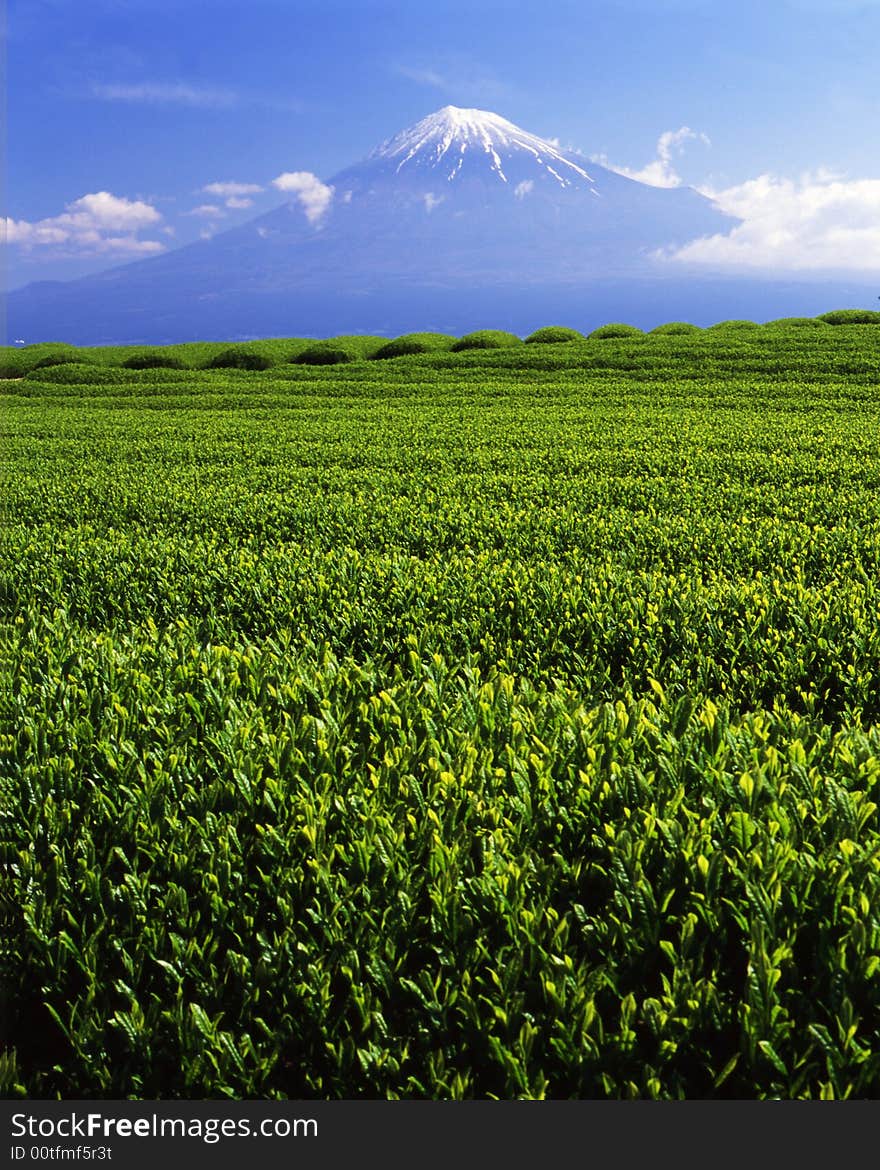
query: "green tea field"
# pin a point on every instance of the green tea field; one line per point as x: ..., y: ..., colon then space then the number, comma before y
x: 445, y: 720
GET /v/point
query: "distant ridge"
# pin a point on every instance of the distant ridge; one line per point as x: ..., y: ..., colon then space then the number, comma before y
x: 459, y: 220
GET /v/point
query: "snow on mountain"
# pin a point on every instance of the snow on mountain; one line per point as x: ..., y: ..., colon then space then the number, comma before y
x: 442, y: 140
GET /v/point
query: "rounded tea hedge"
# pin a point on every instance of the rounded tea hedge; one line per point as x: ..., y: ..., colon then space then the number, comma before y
x: 58, y: 359
x: 328, y: 353
x: 797, y: 323
x: 153, y: 361
x: 851, y: 317
x: 235, y: 358
x: 615, y: 329
x: 486, y: 339
x: 415, y: 343
x: 553, y: 335
x: 675, y: 329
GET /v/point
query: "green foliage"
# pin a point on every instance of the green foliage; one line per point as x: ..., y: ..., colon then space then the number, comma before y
x: 675, y: 329
x: 615, y: 330
x: 415, y: 343
x: 72, y: 373
x: 327, y: 353
x: 735, y: 325
x: 159, y: 360
x: 365, y: 344
x: 12, y: 367
x: 851, y: 317
x: 239, y: 358
x: 798, y: 323
x: 43, y: 349
x: 486, y: 339
x: 511, y: 729
x: 553, y: 334
x: 62, y: 358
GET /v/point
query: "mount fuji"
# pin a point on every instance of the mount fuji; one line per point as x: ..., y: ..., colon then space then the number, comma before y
x: 460, y: 221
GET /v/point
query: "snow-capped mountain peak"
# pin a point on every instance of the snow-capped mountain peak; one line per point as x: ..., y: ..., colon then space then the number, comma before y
x: 462, y: 217
x: 445, y: 140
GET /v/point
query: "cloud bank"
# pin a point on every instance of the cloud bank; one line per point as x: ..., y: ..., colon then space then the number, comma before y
x: 821, y: 221
x: 91, y: 225
x: 236, y: 196
x: 313, y: 196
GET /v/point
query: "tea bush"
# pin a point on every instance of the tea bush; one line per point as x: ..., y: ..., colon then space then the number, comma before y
x: 237, y: 358
x: 327, y: 353
x: 415, y: 343
x: 159, y: 360
x: 614, y: 331
x: 675, y: 329
x: 494, y: 724
x: 798, y: 323
x: 553, y: 334
x: 486, y: 339
x: 851, y: 317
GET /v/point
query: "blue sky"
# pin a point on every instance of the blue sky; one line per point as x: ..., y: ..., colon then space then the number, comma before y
x: 140, y: 125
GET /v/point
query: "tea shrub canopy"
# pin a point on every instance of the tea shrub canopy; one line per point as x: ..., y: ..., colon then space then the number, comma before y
x: 11, y: 366
x: 76, y: 372
x: 327, y: 353
x: 735, y: 324
x: 238, y: 358
x: 675, y: 329
x: 851, y: 317
x: 615, y: 330
x: 415, y: 343
x: 553, y: 334
x: 799, y: 322
x: 158, y: 360
x: 61, y: 358
x: 486, y: 339
x: 493, y: 724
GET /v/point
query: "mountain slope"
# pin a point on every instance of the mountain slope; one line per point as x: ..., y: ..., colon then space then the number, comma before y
x: 462, y: 203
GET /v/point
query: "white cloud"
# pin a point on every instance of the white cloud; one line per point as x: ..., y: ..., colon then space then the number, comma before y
x: 313, y: 195
x: 164, y: 93
x: 432, y: 201
x: 206, y: 211
x: 235, y: 196
x: 22, y: 232
x: 660, y: 172
x: 94, y: 224
x: 524, y: 188
x: 821, y: 221
x: 108, y: 212
x: 231, y: 190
